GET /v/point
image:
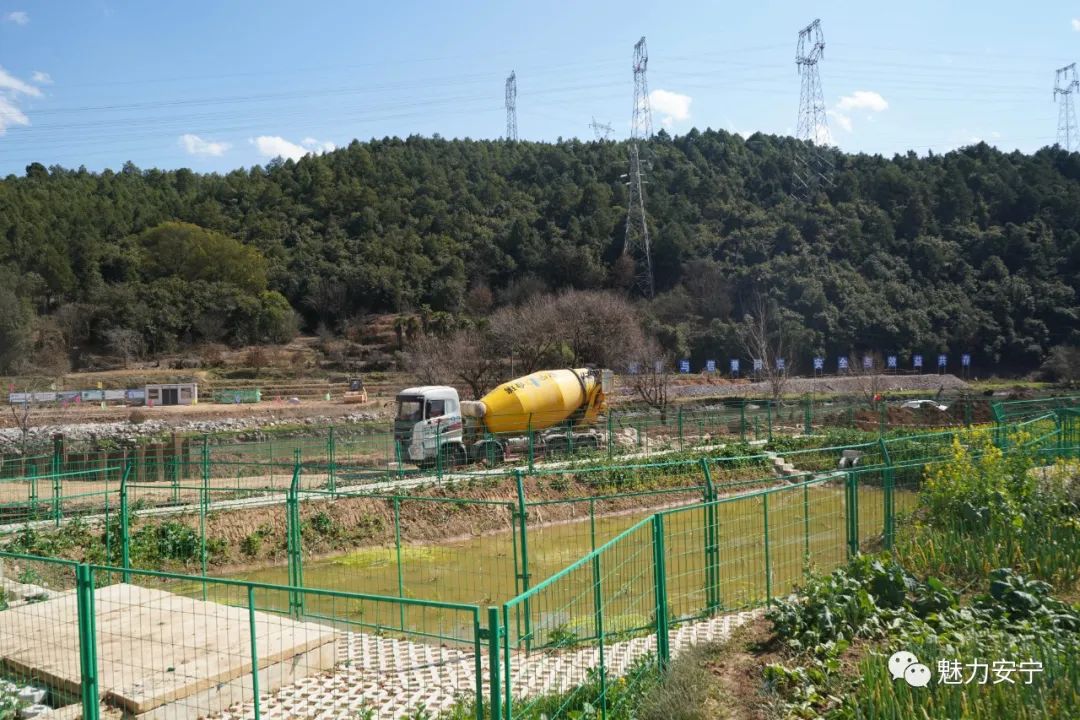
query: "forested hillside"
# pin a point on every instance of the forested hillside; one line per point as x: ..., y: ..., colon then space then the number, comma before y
x: 973, y: 251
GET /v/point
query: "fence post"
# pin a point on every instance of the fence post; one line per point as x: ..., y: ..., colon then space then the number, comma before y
x: 254, y: 652
x: 807, y: 420
x: 852, y: 503
x: 332, y: 461
x: 768, y: 416
x: 523, y: 544
x: 57, y: 491
x: 806, y: 527
x: 438, y: 453
x: 592, y: 524
x: 598, y: 614
x: 294, y: 540
x: 680, y: 429
x: 883, y: 418
x: 532, y: 443
x: 768, y: 555
x: 663, y: 652
x: 742, y: 420
x: 84, y: 598
x: 125, y: 529
x: 397, y: 546
x: 610, y: 435
x: 33, y: 490
x: 493, y: 664
x: 712, y: 543
x: 58, y: 454
x: 887, y: 497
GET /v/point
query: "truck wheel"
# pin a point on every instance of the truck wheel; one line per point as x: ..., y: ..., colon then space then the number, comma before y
x: 454, y: 456
x: 494, y: 455
x: 557, y: 447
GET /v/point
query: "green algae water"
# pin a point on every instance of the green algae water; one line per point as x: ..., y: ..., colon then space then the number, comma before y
x: 806, y: 528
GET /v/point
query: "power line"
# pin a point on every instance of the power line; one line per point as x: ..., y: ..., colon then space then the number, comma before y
x: 1067, y: 131
x: 511, y: 106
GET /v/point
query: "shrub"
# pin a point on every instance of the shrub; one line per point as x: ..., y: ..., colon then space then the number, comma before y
x: 251, y: 544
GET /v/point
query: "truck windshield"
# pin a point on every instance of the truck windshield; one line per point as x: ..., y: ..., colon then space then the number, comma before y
x: 410, y: 409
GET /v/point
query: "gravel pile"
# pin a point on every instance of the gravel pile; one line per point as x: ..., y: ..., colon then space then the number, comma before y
x: 854, y: 385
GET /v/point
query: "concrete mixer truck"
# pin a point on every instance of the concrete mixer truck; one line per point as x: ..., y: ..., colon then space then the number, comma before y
x: 549, y: 411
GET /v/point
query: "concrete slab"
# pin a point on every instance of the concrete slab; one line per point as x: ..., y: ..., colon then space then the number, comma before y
x: 160, y: 652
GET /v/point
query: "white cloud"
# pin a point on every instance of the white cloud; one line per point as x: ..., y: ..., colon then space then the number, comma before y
x: 318, y: 146
x: 41, y: 78
x: 195, y: 145
x: 14, y: 85
x: 273, y: 146
x: 863, y: 100
x: 841, y: 119
x: 10, y: 115
x: 1076, y: 24
x: 19, y: 17
x: 673, y: 106
x: 11, y: 88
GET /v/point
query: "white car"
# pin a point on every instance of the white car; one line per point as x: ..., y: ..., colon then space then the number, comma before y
x: 916, y: 404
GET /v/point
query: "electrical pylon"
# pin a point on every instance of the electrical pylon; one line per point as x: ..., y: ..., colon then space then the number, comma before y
x: 602, y: 130
x: 1065, y: 82
x: 511, y: 106
x: 812, y: 126
x: 636, y: 243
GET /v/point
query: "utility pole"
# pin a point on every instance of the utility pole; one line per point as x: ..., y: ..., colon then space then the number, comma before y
x: 511, y: 106
x: 1065, y: 82
x: 602, y: 130
x: 812, y: 127
x: 636, y: 243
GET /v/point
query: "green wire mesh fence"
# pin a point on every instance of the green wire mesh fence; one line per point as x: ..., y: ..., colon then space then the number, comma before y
x: 587, y: 593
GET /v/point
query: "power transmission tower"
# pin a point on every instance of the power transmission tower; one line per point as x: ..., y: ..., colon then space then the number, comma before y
x: 511, y: 106
x: 636, y: 244
x: 1065, y: 82
x: 602, y: 130
x: 641, y: 127
x: 812, y: 126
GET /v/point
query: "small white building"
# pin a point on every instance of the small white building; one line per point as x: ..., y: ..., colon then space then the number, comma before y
x: 172, y: 394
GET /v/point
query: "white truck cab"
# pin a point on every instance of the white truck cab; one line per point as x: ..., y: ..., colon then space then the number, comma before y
x: 429, y: 419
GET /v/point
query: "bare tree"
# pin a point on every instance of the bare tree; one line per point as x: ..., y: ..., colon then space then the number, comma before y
x: 527, y: 332
x: 576, y: 327
x: 650, y: 375
x: 426, y: 359
x: 125, y: 342
x: 23, y: 422
x: 466, y: 356
x: 762, y: 336
x: 598, y: 328
x: 868, y: 380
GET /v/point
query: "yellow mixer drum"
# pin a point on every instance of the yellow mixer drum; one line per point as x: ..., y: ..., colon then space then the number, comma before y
x: 537, y: 401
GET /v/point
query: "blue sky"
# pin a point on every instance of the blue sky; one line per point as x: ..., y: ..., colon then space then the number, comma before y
x: 217, y: 85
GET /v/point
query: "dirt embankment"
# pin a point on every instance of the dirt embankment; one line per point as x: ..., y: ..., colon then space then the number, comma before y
x: 243, y: 539
x: 854, y: 385
x: 957, y: 414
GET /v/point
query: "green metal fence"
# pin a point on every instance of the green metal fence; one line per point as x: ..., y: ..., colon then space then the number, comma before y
x: 625, y: 587
x: 595, y: 631
x: 140, y: 642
